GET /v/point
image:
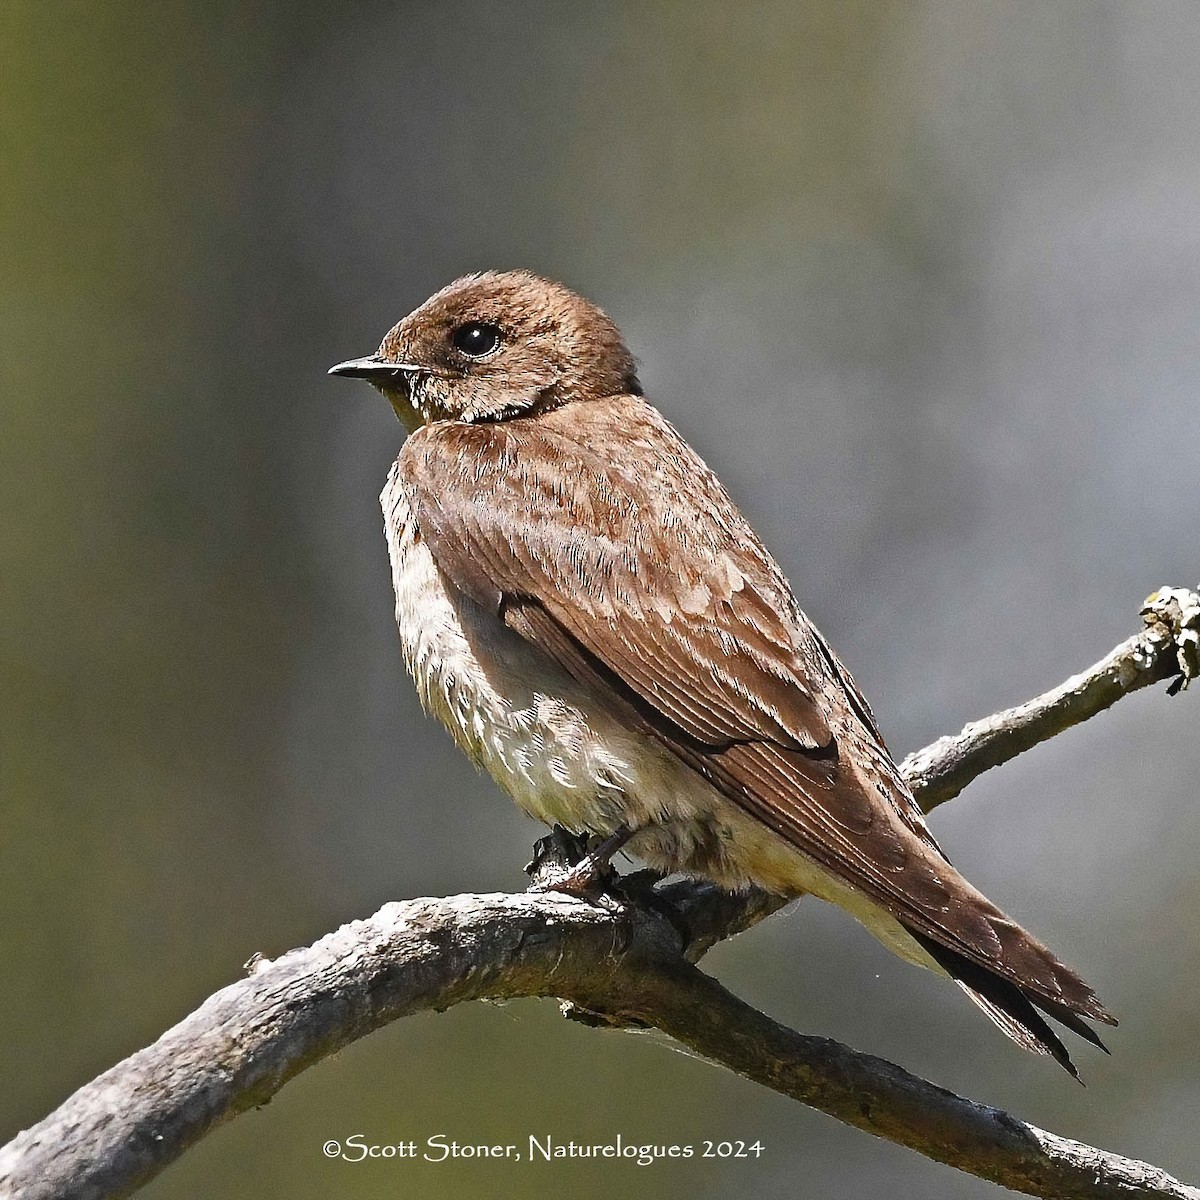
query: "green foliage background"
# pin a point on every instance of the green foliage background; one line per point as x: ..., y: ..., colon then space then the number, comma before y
x: 920, y: 278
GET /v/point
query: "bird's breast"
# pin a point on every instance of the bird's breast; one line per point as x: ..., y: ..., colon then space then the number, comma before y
x: 543, y: 736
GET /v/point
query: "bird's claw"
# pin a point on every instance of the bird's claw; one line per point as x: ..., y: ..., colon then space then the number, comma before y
x: 563, y: 862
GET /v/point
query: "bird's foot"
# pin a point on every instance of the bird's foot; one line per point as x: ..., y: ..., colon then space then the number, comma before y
x: 576, y: 864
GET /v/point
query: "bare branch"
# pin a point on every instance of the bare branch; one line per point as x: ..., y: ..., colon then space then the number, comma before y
x: 1166, y: 647
x: 246, y: 1041
x: 628, y: 965
x: 883, y: 1099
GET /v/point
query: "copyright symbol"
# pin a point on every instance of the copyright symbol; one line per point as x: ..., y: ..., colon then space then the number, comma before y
x: 332, y: 1149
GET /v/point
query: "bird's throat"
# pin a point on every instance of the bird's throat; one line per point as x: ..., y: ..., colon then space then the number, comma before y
x: 409, y: 415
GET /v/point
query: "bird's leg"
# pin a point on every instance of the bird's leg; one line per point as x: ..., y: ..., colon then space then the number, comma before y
x: 558, y: 851
x: 562, y: 862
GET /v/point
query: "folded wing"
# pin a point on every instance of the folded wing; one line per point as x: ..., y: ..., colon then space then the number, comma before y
x: 639, y: 575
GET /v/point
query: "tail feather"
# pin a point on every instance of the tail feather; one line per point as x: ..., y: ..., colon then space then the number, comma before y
x: 1023, y: 1023
x: 1073, y: 1021
x: 1012, y: 1009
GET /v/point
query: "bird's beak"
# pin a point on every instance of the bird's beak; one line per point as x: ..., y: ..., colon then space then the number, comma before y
x: 375, y: 369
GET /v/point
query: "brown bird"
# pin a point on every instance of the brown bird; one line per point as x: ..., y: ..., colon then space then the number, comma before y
x: 585, y: 608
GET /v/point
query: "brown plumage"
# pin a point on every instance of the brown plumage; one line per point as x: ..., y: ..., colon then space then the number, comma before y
x: 582, y: 603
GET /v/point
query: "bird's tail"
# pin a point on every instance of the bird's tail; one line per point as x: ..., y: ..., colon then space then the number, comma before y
x: 1013, y: 1009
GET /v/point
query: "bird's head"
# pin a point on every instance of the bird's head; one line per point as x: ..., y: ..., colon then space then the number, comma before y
x: 494, y: 346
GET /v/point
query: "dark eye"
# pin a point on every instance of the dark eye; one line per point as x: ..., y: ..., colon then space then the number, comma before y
x: 475, y: 339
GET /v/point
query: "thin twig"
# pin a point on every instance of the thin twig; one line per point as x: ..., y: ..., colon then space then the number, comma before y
x: 1165, y: 648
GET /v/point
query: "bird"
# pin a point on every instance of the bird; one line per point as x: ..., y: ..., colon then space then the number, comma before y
x: 583, y: 605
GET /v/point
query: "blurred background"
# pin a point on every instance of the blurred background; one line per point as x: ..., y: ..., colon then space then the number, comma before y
x: 919, y: 278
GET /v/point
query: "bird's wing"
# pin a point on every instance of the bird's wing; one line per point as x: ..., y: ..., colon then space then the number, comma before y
x: 596, y: 533
x: 666, y: 600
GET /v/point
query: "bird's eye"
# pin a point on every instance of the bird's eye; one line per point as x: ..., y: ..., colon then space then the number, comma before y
x: 475, y: 339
